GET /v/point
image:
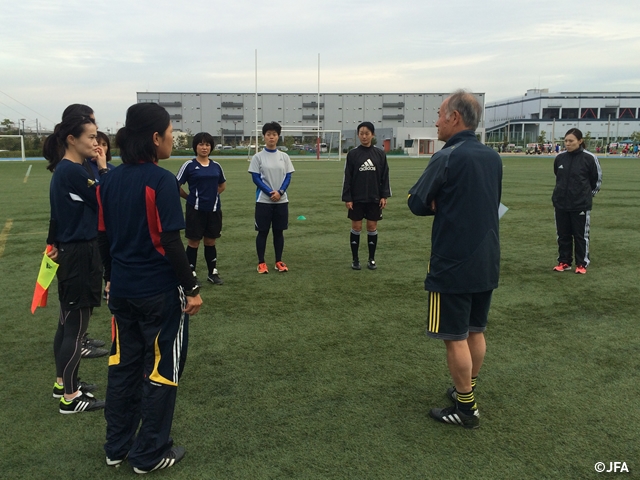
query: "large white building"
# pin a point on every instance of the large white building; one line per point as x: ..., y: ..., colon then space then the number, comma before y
x: 397, y: 117
x: 612, y: 115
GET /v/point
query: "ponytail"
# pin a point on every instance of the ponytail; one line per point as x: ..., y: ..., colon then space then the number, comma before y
x: 55, y: 144
x: 135, y: 139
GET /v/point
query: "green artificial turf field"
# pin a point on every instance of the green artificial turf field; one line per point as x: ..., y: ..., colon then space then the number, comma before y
x: 325, y: 372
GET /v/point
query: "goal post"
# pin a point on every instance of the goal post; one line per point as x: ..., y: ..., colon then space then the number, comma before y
x: 21, y: 137
x: 306, y: 140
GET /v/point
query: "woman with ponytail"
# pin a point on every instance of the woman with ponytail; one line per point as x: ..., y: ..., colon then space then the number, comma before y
x: 153, y: 292
x: 72, y: 239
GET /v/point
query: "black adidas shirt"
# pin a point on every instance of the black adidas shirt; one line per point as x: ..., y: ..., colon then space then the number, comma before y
x: 366, y: 176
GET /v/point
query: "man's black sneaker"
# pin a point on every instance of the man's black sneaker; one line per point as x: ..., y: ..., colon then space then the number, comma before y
x: 452, y: 394
x: 89, y: 351
x: 58, y: 390
x: 356, y: 265
x: 83, y: 403
x: 170, y: 458
x: 371, y: 264
x: 94, y: 342
x: 454, y: 416
x: 215, y: 278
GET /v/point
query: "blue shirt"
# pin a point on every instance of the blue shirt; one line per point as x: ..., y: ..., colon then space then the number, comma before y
x: 137, y: 203
x: 74, y: 206
x: 95, y: 169
x: 203, y: 184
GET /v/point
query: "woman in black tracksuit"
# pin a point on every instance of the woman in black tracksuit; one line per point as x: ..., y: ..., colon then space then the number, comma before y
x: 578, y: 179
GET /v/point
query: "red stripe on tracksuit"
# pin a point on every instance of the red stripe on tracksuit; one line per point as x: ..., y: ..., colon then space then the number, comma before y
x: 153, y: 219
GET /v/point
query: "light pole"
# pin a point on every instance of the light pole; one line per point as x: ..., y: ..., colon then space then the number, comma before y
x: 22, y: 120
x: 235, y: 132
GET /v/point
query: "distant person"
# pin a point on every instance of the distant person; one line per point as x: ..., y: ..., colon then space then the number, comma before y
x: 73, y: 230
x: 105, y: 144
x: 152, y: 293
x: 365, y: 190
x: 271, y: 171
x: 90, y: 345
x: 461, y: 187
x: 204, y: 211
x: 578, y: 179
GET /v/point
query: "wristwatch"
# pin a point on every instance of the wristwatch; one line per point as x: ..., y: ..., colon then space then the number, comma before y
x: 193, y: 292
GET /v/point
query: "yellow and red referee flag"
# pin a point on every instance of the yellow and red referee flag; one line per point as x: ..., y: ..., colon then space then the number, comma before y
x: 48, y: 270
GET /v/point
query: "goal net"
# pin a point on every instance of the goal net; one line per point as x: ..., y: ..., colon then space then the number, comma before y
x: 16, y: 142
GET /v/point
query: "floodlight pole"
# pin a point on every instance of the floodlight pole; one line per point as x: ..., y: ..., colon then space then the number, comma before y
x: 318, y: 137
x: 608, y: 129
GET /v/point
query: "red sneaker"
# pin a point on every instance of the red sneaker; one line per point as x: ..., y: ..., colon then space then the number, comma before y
x: 581, y: 270
x: 262, y: 268
x: 281, y: 267
x: 562, y: 267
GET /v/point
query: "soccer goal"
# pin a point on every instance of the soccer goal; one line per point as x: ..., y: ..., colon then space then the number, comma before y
x: 305, y: 143
x: 21, y: 137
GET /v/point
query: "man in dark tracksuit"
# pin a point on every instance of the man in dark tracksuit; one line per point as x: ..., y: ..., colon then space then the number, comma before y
x: 365, y: 191
x: 578, y: 179
x: 461, y: 186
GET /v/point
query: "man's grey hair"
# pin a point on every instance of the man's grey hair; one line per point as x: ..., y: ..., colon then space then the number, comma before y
x: 467, y: 106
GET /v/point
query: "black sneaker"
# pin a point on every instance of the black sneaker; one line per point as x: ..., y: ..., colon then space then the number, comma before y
x: 94, y: 342
x: 356, y: 265
x: 452, y: 394
x: 215, y: 278
x: 89, y: 351
x: 170, y: 458
x: 371, y: 264
x: 454, y: 416
x: 58, y: 390
x: 83, y: 403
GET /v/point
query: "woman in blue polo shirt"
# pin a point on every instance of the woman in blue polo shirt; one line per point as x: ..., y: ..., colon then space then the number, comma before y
x: 204, y: 211
x: 72, y: 237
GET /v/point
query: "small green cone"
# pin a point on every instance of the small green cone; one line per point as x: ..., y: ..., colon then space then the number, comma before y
x: 302, y: 217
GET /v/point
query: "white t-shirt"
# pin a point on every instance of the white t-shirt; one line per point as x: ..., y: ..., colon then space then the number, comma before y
x: 273, y: 168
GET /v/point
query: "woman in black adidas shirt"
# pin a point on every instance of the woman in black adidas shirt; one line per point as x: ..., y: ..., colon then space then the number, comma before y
x: 365, y: 191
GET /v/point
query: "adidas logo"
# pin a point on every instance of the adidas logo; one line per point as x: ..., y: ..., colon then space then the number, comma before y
x: 367, y: 165
x: 560, y: 167
x: 197, y: 168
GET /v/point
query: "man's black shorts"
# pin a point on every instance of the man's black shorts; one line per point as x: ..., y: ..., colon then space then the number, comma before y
x: 452, y: 316
x: 79, y: 275
x: 202, y: 224
x: 272, y: 215
x: 370, y: 211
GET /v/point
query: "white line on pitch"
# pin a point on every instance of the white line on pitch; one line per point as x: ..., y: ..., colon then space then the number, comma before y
x: 27, y: 175
x: 4, y: 234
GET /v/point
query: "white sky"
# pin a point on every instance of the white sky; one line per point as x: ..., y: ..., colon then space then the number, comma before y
x: 102, y: 52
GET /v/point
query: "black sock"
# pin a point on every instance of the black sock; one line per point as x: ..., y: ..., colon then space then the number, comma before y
x: 372, y: 241
x: 278, y: 244
x: 354, y: 239
x: 261, y: 245
x: 192, y: 256
x: 466, y: 402
x: 210, y: 255
x: 474, y: 380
